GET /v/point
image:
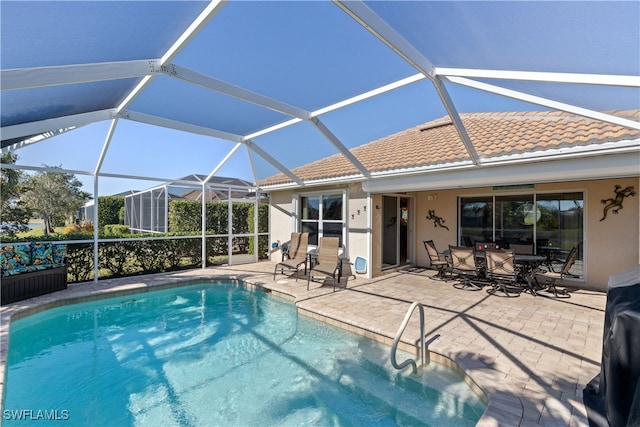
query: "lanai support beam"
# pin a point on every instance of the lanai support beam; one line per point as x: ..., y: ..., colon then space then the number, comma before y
x: 545, y: 102
x: 317, y: 123
x: 362, y: 14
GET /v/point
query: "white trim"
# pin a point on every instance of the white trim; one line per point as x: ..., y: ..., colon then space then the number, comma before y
x: 565, y: 169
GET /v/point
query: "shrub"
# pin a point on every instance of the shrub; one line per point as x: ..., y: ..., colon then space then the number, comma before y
x: 116, y: 230
x: 109, y: 210
x: 82, y: 230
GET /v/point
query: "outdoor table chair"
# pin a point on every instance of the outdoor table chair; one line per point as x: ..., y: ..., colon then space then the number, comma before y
x: 502, y: 272
x: 437, y: 260
x: 550, y: 278
x: 463, y: 264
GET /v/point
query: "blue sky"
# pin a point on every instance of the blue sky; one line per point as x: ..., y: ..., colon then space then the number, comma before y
x: 311, y: 54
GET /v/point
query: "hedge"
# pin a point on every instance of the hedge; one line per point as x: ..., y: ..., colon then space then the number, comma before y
x: 164, y: 253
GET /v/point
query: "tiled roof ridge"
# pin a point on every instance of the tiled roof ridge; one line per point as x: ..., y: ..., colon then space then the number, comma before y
x: 550, y: 115
x: 493, y: 133
x: 542, y: 115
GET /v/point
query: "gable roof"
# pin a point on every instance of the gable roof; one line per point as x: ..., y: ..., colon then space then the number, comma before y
x: 437, y: 144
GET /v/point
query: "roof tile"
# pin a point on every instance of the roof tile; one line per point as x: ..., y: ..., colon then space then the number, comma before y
x: 492, y: 134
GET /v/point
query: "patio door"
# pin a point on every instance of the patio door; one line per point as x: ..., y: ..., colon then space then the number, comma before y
x: 396, y: 231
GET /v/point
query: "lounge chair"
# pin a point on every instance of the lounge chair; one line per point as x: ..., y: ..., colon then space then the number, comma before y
x: 297, y: 255
x: 463, y: 264
x: 501, y: 271
x: 550, y: 278
x: 437, y: 261
x: 327, y: 261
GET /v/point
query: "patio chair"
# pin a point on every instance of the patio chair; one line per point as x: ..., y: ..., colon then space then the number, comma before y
x: 550, y: 278
x: 327, y: 261
x: 501, y: 271
x: 437, y: 261
x: 297, y: 255
x: 463, y: 264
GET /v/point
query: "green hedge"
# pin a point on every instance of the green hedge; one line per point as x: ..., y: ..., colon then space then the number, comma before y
x: 132, y: 257
x: 109, y: 208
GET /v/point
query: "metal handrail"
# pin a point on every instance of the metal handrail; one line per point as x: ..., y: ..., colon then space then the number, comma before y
x: 396, y: 340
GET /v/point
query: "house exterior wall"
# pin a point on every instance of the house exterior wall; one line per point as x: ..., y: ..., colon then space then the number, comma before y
x: 283, y: 219
x: 281, y: 213
x: 610, y: 246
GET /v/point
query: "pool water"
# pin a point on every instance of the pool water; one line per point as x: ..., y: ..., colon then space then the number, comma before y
x: 214, y: 355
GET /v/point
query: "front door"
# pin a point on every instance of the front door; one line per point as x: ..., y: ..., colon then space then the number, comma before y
x: 396, y: 242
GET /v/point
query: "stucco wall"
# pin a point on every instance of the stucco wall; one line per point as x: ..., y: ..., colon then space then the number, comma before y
x: 610, y: 246
x: 444, y: 205
x: 282, y: 222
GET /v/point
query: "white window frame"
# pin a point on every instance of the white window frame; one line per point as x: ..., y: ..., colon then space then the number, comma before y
x: 298, y: 198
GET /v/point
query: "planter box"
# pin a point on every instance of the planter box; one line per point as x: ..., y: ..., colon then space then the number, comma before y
x: 28, y: 285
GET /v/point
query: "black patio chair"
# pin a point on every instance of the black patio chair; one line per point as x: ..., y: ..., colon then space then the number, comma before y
x: 549, y: 278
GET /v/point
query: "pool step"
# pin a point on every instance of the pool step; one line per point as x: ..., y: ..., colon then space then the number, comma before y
x: 425, y: 389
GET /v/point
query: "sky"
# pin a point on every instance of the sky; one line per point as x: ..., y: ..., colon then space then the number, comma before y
x: 309, y: 55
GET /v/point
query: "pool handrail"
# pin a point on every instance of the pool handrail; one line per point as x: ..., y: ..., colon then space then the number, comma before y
x: 396, y: 340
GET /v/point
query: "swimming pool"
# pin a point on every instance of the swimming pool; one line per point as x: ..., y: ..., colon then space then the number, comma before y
x: 214, y: 354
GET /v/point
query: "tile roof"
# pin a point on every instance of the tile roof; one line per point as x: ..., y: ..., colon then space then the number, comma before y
x: 492, y: 134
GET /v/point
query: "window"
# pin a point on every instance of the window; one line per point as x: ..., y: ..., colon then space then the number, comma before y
x: 322, y: 216
x: 553, y: 222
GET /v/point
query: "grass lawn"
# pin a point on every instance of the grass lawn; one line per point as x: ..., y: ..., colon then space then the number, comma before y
x: 37, y: 231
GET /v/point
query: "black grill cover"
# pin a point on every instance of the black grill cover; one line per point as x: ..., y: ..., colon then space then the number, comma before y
x: 615, y: 393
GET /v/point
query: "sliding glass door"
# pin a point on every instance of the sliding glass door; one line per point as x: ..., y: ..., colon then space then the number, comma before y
x: 551, y: 222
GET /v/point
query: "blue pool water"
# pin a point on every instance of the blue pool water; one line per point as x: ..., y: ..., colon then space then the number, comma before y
x: 214, y: 355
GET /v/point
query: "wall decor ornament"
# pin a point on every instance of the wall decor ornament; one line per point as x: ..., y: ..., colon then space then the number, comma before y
x: 615, y: 204
x: 437, y: 221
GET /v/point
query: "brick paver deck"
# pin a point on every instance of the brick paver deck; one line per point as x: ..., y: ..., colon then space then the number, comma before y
x: 530, y: 356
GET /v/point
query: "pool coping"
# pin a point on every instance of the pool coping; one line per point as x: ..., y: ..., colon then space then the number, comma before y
x: 503, y: 406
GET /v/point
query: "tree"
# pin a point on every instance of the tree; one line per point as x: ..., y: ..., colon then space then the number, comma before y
x: 14, y: 216
x: 54, y: 196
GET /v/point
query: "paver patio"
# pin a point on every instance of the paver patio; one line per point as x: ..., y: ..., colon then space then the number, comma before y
x: 531, y: 356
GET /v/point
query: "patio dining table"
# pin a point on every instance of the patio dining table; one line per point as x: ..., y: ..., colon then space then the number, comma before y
x: 528, y: 264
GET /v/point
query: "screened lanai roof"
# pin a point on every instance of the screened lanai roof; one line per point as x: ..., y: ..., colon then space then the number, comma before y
x: 280, y: 84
